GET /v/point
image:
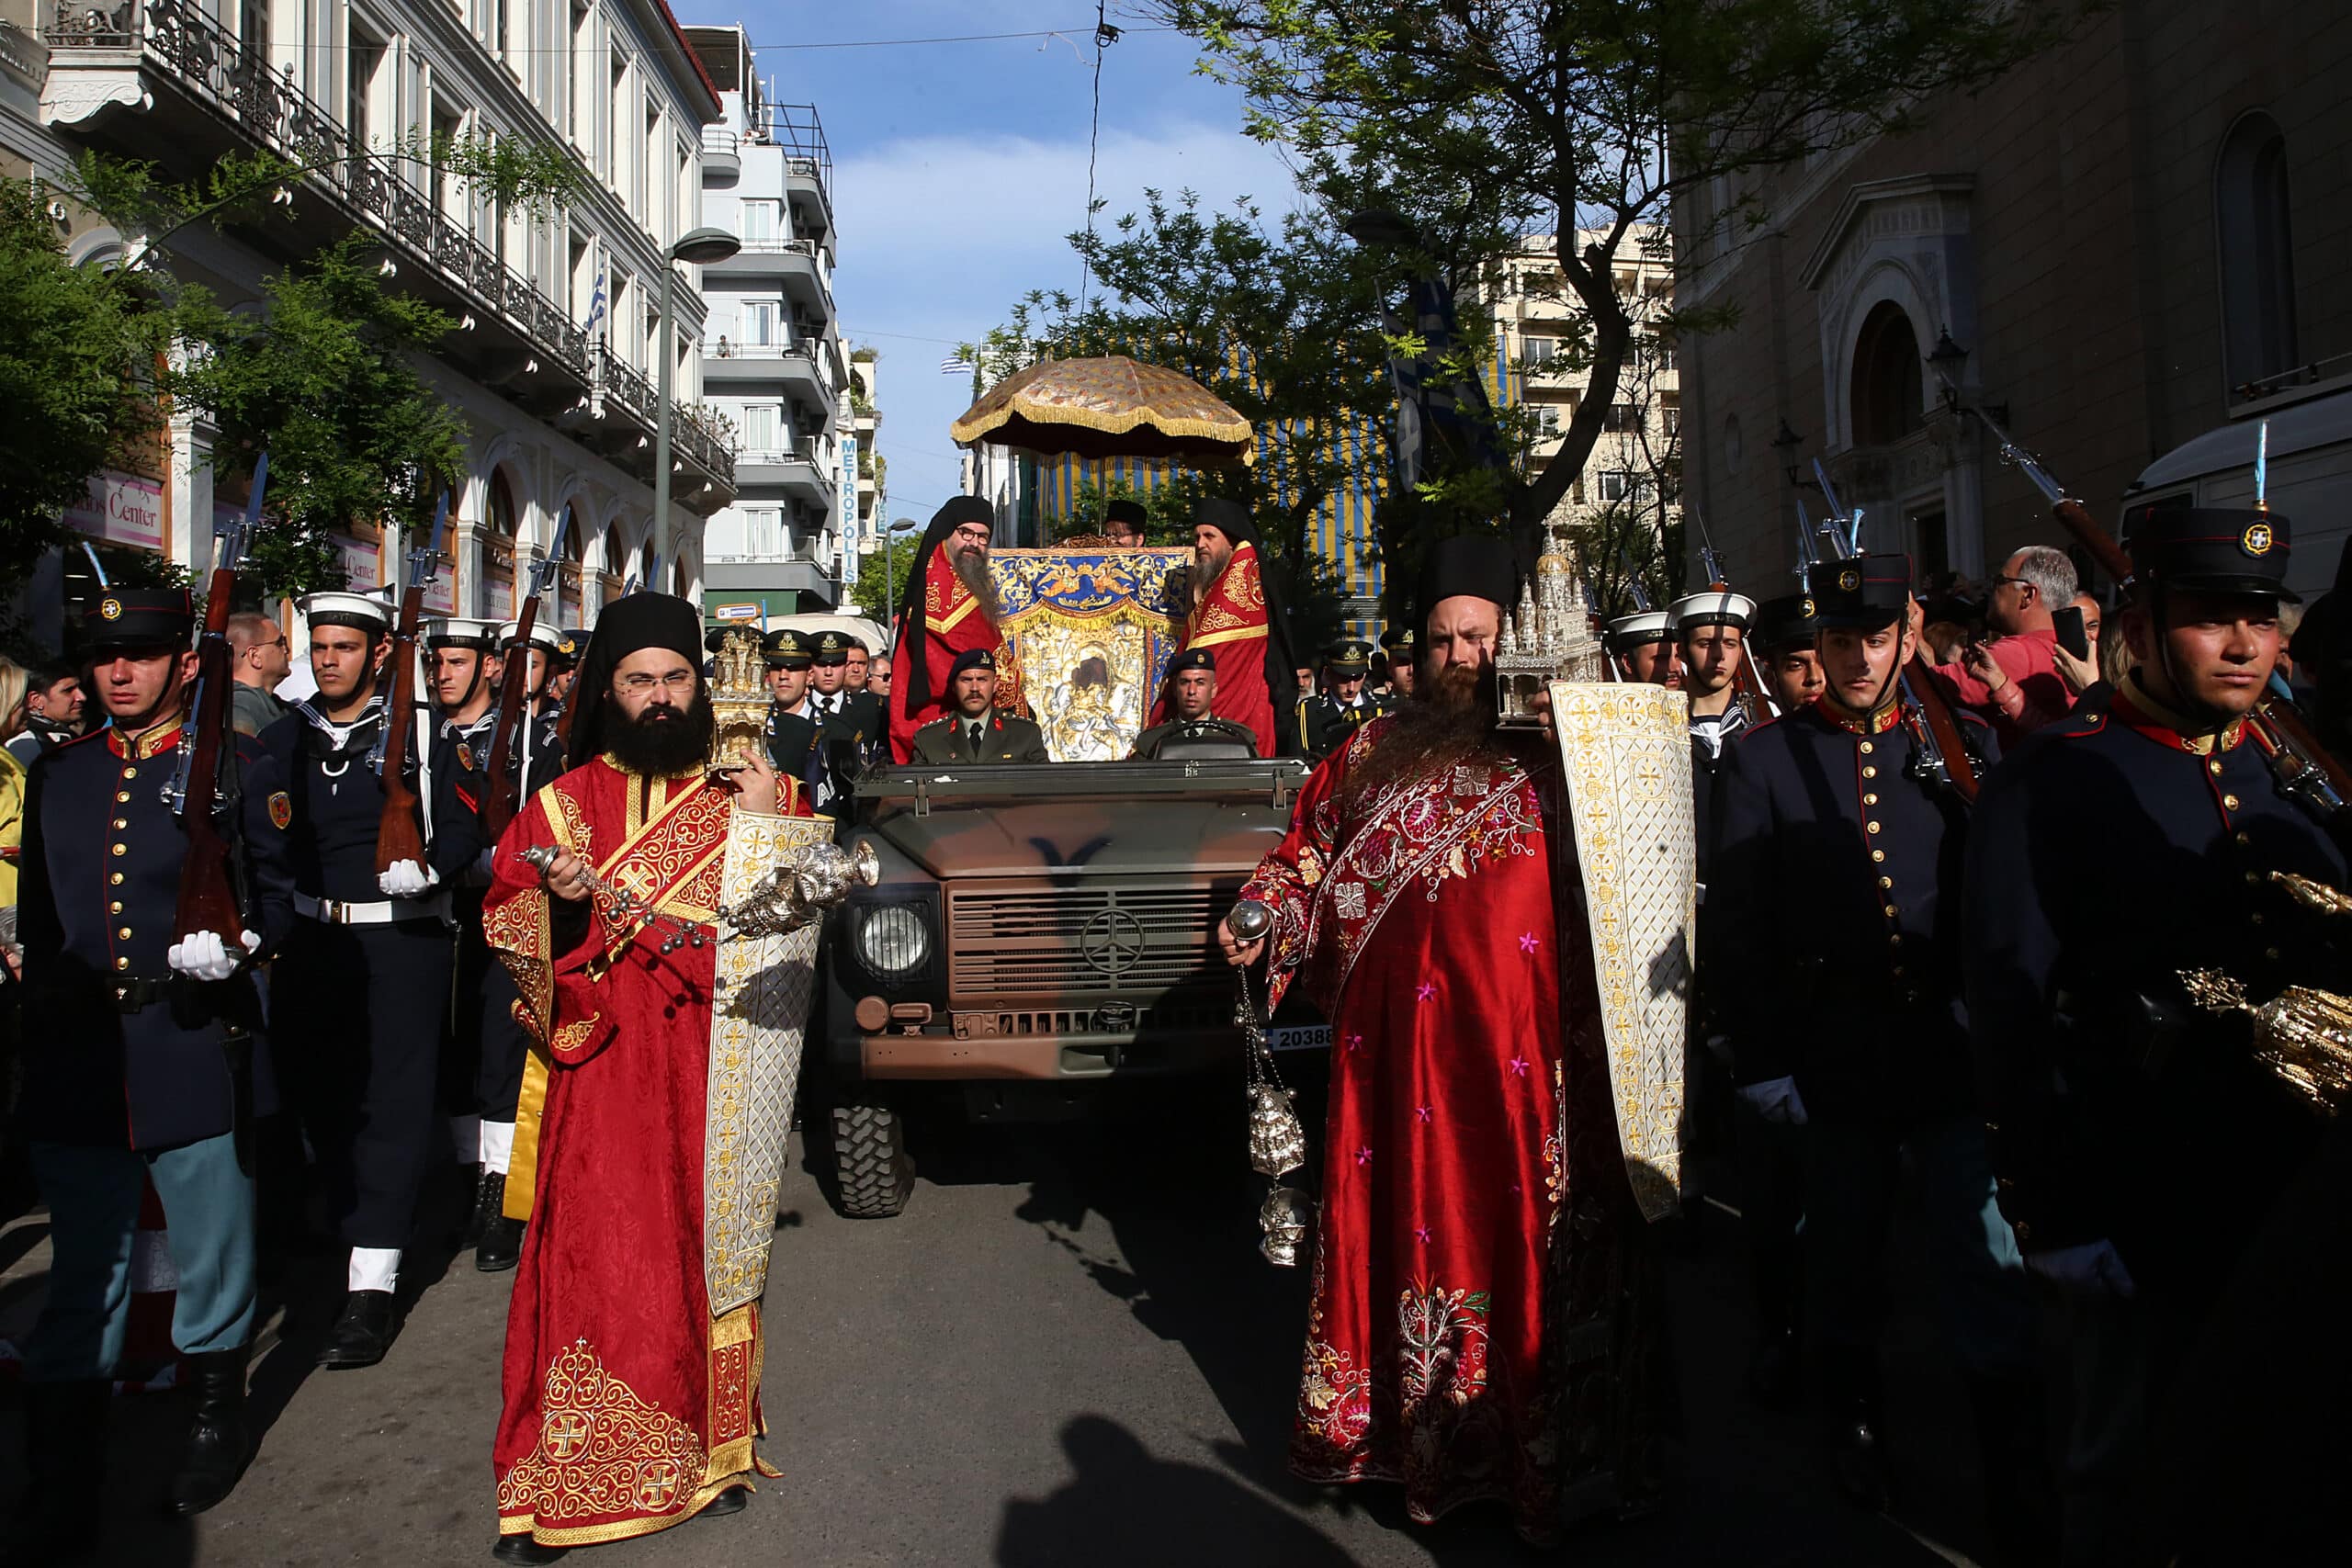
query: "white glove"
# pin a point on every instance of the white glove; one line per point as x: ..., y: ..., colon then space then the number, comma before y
x: 202, y: 955
x: 2093, y: 1268
x: 1776, y: 1100
x: 406, y: 879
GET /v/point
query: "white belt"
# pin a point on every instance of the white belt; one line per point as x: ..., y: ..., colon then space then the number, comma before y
x: 434, y: 905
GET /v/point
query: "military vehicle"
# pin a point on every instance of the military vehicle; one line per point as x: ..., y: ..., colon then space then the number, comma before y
x: 1036, y: 929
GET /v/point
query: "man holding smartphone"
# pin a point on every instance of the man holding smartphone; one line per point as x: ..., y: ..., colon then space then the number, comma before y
x: 2012, y: 683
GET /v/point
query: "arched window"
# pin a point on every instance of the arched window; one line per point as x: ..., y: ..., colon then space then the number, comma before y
x: 614, y: 565
x: 1886, y: 388
x: 2251, y: 216
x: 498, y: 551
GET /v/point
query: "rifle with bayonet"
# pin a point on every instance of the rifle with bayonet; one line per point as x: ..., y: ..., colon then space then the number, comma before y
x: 502, y: 797
x: 2306, y: 770
x: 1941, y: 754
x: 203, y: 788
x: 398, y: 836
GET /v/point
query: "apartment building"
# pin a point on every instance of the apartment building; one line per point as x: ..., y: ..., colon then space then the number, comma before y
x: 553, y: 364
x: 1633, y: 468
x: 772, y: 355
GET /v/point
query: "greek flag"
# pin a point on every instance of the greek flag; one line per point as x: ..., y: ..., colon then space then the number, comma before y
x: 954, y: 364
x: 596, y: 302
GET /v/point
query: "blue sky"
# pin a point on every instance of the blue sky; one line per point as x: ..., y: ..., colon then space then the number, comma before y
x: 960, y: 168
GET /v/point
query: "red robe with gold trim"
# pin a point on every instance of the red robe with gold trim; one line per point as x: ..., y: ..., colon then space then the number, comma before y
x: 626, y: 1405
x: 1472, y: 1331
x: 1230, y: 622
x: 953, y: 624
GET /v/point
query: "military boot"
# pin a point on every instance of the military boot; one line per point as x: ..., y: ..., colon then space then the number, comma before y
x: 499, y: 1241
x: 65, y: 1457
x: 219, y: 1440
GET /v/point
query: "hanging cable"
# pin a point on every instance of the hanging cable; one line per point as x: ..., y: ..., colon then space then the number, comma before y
x: 1105, y: 35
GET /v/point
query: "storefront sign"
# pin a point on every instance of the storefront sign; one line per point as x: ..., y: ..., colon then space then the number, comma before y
x: 122, y: 509
x: 363, y: 563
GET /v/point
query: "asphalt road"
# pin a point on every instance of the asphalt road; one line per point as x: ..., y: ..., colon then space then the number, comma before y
x: 1066, y: 1352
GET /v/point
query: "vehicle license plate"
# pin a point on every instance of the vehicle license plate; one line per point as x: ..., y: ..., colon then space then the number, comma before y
x: 1300, y: 1037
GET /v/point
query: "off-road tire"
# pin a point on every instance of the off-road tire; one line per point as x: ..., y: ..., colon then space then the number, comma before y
x: 872, y: 1175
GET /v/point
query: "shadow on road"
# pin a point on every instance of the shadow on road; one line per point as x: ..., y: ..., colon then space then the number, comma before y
x: 1123, y: 1506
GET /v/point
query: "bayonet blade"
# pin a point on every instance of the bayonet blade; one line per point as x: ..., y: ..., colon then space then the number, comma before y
x: 544, y: 569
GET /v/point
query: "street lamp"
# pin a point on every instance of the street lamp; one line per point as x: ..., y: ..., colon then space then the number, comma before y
x: 698, y: 247
x: 890, y: 563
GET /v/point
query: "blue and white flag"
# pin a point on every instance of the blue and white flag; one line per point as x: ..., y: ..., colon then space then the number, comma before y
x: 596, y: 302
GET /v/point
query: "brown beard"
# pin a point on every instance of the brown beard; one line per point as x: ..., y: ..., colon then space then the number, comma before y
x: 662, y: 742
x: 1211, y: 568
x: 1444, y: 720
x: 971, y: 568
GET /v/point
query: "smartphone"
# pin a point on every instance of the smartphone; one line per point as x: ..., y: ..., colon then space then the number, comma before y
x: 2068, y: 623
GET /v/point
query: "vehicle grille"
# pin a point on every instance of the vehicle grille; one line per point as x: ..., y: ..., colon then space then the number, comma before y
x: 1080, y: 941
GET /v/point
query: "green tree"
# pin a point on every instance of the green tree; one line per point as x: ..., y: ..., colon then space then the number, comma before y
x: 1281, y: 321
x: 879, y: 576
x: 77, y: 363
x: 1479, y: 121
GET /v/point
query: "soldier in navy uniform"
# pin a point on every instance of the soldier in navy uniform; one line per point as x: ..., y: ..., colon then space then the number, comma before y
x: 1781, y: 641
x: 2139, y: 1144
x: 850, y: 725
x: 1191, y: 726
x: 792, y: 724
x: 461, y: 658
x: 977, y: 730
x: 571, y: 643
x: 1398, y: 654
x: 144, y: 1065
x: 1710, y: 629
x: 1326, y: 718
x: 487, y: 1070
x: 358, y: 994
x: 1643, y: 645
x: 1838, y: 861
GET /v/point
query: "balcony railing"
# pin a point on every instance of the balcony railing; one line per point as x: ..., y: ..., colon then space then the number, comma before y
x: 213, y: 65
x: 796, y: 130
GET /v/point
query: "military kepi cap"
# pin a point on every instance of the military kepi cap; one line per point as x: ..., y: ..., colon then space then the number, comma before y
x: 1861, y: 593
x: 972, y: 659
x: 140, y: 617
x: 363, y: 610
x: 1784, y: 622
x: 1348, y: 657
x: 1397, y: 640
x: 785, y: 649
x: 2210, y: 549
x: 1193, y: 658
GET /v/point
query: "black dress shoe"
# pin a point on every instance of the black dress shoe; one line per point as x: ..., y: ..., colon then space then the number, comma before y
x: 218, y: 1441
x: 362, y: 1335
x: 500, y: 1246
x: 523, y: 1549
x: 734, y: 1500
x: 481, y: 1205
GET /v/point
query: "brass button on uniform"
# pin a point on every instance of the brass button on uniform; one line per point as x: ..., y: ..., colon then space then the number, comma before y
x: 1866, y: 748
x: 122, y: 796
x: 1869, y: 773
x: 119, y: 849
x: 2229, y: 803
x: 2271, y: 953
x: 1878, y: 854
x: 120, y: 823
x: 1894, y: 938
x: 1872, y: 827
x: 1890, y: 911
x: 123, y: 962
x: 1896, y: 971
x: 1886, y: 882
x: 2214, y: 766
x: 2255, y: 917
x: 115, y: 908
x: 1869, y: 800
x: 114, y: 879
x: 129, y: 773
x: 2242, y: 839
x: 124, y: 933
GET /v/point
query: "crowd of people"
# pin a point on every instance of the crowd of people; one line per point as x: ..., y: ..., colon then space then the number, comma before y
x: 1910, y: 1009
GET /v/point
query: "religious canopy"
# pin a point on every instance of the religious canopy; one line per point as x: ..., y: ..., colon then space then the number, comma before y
x: 1110, y: 407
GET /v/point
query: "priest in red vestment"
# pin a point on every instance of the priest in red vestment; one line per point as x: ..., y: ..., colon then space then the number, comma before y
x: 1478, y: 1326
x: 1237, y: 618
x: 947, y: 609
x: 633, y: 1346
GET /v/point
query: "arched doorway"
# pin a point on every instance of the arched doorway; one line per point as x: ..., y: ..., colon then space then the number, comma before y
x: 1887, y: 390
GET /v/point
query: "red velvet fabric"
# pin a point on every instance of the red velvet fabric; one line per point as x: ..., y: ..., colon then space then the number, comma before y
x: 1230, y: 622
x: 1438, y: 926
x: 951, y: 624
x: 626, y: 1406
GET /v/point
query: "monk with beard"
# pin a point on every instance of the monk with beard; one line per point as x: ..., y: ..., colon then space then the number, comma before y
x: 1478, y: 1326
x: 631, y: 1404
x: 948, y: 609
x: 1237, y: 619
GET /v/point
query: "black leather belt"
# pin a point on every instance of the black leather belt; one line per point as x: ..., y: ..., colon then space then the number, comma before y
x: 134, y: 996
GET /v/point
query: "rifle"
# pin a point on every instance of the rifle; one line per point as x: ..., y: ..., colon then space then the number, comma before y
x: 398, y: 837
x: 2306, y: 770
x: 202, y: 792
x: 503, y: 797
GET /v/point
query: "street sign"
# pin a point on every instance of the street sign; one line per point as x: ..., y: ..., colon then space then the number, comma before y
x: 736, y: 612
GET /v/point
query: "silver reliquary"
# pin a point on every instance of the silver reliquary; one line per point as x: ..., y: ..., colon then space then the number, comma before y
x: 1549, y: 637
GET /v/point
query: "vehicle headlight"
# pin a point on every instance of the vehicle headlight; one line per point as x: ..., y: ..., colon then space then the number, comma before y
x: 893, y: 939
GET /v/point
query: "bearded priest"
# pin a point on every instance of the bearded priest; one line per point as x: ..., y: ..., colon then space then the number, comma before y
x: 948, y: 609
x: 633, y: 1348
x: 1481, y: 1324
x: 1237, y: 619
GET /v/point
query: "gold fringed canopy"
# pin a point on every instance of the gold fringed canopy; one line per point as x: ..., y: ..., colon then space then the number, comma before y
x: 1111, y: 407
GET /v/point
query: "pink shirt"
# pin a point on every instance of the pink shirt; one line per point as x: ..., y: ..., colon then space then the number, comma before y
x: 2030, y: 660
